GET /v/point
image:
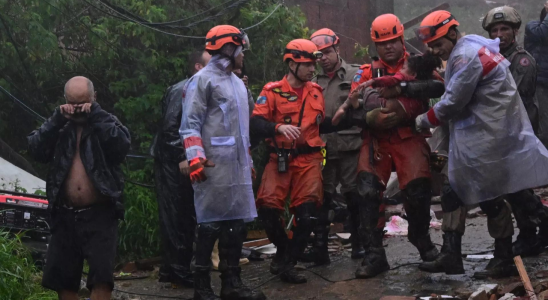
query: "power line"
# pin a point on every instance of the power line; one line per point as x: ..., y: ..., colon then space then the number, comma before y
x: 28, y: 109
x: 272, y: 12
x: 155, y: 29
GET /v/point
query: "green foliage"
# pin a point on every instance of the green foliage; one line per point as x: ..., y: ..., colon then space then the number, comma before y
x: 19, y: 278
x: 13, y: 186
x: 46, y: 42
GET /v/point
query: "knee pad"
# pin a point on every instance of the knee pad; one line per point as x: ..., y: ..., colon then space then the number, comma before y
x: 305, y: 217
x: 492, y: 208
x: 419, y: 192
x: 369, y: 187
x: 450, y: 201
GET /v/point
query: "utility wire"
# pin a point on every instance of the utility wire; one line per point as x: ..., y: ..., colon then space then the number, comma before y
x: 19, y: 102
x: 272, y: 12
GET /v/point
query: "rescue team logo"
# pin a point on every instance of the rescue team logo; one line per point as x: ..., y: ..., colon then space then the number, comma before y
x: 261, y: 100
x: 524, y: 62
x: 292, y: 98
x: 489, y: 60
x: 287, y: 120
x: 277, y: 90
x: 358, y: 76
x: 285, y: 94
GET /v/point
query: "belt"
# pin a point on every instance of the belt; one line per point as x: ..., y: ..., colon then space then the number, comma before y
x: 298, y: 150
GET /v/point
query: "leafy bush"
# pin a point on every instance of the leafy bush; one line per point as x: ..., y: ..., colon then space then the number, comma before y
x: 19, y: 278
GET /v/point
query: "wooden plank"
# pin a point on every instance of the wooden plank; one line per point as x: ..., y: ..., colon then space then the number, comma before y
x: 257, y: 243
x: 525, y: 278
x: 416, y: 20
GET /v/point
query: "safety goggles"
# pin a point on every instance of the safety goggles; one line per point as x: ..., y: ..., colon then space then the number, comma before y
x: 425, y: 33
x: 240, y: 38
x: 324, y: 41
x: 303, y: 54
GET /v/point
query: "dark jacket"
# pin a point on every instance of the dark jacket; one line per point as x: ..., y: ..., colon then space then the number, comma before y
x: 536, y: 43
x: 103, y: 146
x: 167, y: 144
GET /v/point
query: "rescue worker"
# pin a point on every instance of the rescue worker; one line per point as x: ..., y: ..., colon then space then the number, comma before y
x: 335, y: 78
x: 381, y: 149
x: 174, y: 191
x: 291, y: 114
x: 493, y: 151
x: 536, y: 43
x: 503, y: 23
x: 215, y: 134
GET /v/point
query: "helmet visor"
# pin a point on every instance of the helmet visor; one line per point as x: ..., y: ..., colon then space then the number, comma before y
x: 425, y: 33
x: 323, y: 41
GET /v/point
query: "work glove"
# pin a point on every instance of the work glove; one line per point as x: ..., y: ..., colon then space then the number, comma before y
x: 381, y: 118
x: 197, y: 172
x: 422, y: 122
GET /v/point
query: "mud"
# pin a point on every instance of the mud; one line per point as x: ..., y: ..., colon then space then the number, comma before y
x: 405, y: 279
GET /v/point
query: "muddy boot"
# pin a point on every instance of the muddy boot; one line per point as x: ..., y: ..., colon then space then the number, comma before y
x: 319, y: 254
x: 304, y: 223
x: 450, y: 258
x: 233, y: 289
x: 273, y: 225
x: 502, y: 265
x: 352, y: 199
x: 202, y: 284
x: 427, y: 249
x: 375, y: 261
x: 526, y: 243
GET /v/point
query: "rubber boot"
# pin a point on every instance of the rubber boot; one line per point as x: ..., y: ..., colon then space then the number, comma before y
x: 231, y: 240
x: 352, y: 200
x: 273, y: 225
x: 527, y: 243
x: 232, y: 287
x: 449, y: 260
x: 304, y: 219
x: 417, y: 206
x: 319, y: 253
x: 502, y: 265
x: 202, y: 284
x: 375, y: 261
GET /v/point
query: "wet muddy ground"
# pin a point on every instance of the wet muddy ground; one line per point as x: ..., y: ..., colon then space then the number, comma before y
x: 338, y: 282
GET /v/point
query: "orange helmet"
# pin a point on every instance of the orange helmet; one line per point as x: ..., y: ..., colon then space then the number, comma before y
x: 324, y: 38
x: 220, y: 35
x: 386, y: 27
x: 435, y: 26
x: 301, y: 51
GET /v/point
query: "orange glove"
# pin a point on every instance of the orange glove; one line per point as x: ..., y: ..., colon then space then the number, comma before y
x: 197, y: 165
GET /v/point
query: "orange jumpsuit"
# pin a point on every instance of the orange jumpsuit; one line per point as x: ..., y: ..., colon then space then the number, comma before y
x: 400, y: 148
x: 279, y: 103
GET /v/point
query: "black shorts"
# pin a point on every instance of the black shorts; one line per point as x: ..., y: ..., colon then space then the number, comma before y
x: 79, y: 234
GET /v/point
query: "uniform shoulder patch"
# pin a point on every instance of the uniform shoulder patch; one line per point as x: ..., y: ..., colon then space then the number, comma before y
x: 524, y: 61
x: 261, y: 100
x: 271, y: 85
x: 315, y: 85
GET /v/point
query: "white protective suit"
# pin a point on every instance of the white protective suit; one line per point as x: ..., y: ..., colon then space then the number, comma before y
x: 215, y: 125
x: 492, y: 149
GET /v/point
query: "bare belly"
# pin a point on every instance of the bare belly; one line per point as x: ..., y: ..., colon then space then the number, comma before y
x: 78, y: 188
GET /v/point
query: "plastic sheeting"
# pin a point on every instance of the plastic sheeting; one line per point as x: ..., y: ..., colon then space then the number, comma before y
x: 216, y: 112
x: 492, y: 150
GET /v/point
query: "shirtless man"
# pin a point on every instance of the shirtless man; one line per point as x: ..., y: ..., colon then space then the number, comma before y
x: 85, y: 145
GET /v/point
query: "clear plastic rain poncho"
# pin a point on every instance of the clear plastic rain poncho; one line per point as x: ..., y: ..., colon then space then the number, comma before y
x: 492, y: 149
x: 216, y: 113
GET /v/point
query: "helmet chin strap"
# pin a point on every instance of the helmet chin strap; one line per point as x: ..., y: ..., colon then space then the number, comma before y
x: 295, y: 73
